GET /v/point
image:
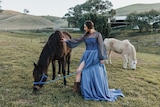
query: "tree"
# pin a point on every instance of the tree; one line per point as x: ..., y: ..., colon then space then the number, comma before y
x: 25, y: 11
x: 95, y: 10
x: 144, y: 20
x: 156, y: 26
x: 90, y: 6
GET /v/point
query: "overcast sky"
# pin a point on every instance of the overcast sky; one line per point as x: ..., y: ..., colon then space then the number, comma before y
x: 58, y: 7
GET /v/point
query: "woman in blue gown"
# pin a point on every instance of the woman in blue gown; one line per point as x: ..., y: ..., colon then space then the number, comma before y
x: 91, y: 78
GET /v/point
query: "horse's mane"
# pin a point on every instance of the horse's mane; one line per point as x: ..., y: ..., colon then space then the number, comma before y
x: 133, y: 51
x: 52, y: 47
x: 67, y: 34
x: 132, y: 48
x: 54, y: 41
x: 126, y: 40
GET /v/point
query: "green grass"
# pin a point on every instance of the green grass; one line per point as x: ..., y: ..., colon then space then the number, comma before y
x: 18, y: 51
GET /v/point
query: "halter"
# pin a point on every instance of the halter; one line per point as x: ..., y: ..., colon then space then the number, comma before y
x: 41, y: 81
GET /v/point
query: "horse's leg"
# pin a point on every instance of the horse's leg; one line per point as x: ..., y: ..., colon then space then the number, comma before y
x: 106, y: 61
x: 125, y: 61
x: 109, y: 56
x: 64, y: 69
x: 68, y: 62
x: 53, y: 70
x: 130, y: 61
x: 59, y: 69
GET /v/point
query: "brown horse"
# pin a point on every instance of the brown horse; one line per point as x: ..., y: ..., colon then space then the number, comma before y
x: 53, y: 50
x: 60, y: 60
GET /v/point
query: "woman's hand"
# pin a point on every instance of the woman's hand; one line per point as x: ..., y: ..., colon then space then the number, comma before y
x: 63, y: 39
x: 102, y: 61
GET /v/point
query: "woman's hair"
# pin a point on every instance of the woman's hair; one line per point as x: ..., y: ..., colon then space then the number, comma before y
x: 89, y: 24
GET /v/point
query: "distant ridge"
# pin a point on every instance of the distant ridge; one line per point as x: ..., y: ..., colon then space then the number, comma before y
x: 138, y: 8
x: 12, y: 20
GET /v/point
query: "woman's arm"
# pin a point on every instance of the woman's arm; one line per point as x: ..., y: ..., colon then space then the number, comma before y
x: 101, y: 48
x: 74, y: 42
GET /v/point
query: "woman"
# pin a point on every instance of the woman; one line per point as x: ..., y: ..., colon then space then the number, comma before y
x: 91, y: 78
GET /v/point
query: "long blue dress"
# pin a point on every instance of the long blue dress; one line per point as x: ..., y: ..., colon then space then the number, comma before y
x: 94, y: 80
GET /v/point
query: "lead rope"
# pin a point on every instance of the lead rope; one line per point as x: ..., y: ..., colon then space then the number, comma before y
x: 44, y: 76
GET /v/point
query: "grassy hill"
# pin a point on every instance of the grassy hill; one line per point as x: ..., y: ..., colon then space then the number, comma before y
x: 58, y: 22
x: 137, y: 8
x: 11, y: 20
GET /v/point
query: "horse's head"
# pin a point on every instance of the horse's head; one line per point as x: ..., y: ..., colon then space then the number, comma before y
x: 39, y: 77
x: 133, y: 64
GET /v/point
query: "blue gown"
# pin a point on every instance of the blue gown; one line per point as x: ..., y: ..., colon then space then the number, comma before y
x: 94, y: 80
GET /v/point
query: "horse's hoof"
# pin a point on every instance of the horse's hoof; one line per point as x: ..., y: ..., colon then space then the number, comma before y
x: 35, y: 91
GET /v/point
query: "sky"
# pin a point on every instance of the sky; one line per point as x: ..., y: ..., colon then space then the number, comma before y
x: 58, y: 7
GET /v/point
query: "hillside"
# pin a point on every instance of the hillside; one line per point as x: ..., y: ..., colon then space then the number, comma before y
x: 137, y: 8
x: 58, y: 22
x: 11, y: 20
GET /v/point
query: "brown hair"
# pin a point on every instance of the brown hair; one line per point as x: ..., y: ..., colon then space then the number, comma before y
x: 89, y: 24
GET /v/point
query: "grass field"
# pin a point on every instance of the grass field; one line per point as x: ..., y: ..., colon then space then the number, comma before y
x: 18, y: 51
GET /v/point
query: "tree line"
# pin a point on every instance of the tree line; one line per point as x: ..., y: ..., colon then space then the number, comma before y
x: 96, y: 10
x: 145, y: 21
x: 100, y: 11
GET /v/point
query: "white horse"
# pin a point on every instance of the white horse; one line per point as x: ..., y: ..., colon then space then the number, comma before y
x: 122, y: 47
